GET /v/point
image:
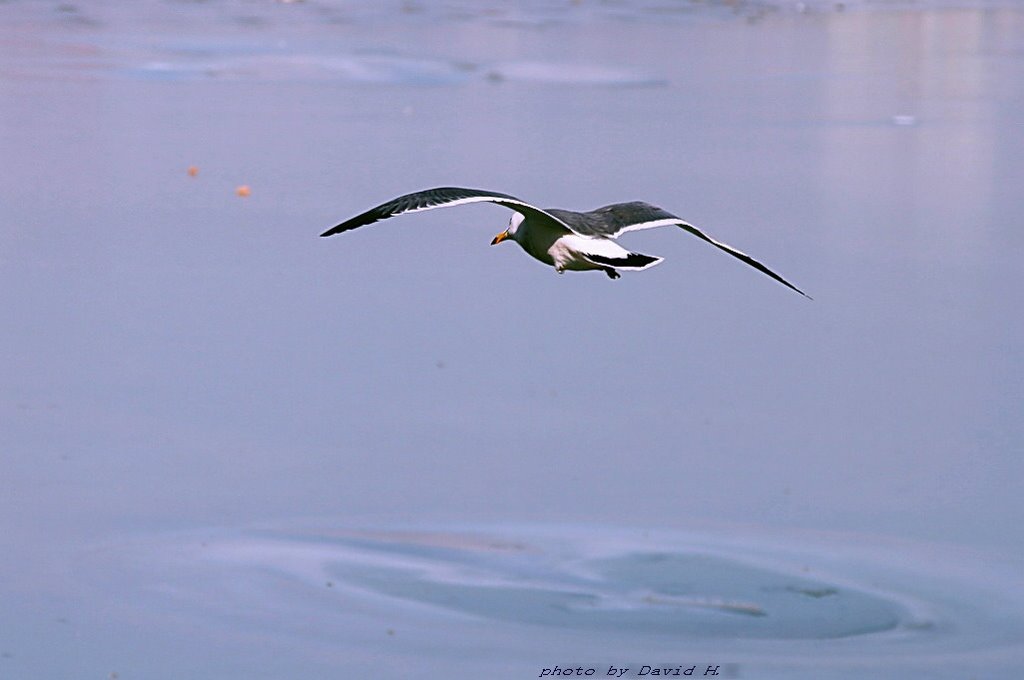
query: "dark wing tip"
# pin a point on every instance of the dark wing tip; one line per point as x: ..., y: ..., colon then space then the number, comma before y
x: 418, y: 200
x: 337, y: 229
x: 781, y: 280
x: 757, y: 265
x: 368, y: 217
x: 344, y: 226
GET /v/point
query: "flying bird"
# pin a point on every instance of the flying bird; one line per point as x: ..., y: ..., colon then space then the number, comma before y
x: 563, y: 239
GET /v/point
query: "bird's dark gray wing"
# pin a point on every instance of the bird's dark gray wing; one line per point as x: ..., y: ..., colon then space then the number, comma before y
x: 613, y: 220
x: 441, y: 197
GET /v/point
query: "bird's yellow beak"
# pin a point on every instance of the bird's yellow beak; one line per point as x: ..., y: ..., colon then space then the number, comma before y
x: 499, y: 238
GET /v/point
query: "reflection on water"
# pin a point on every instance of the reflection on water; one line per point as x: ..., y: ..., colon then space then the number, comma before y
x: 679, y: 593
x: 846, y: 601
x: 384, y: 69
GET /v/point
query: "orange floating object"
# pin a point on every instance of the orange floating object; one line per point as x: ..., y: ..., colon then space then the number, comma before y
x: 243, y: 190
x: 193, y: 171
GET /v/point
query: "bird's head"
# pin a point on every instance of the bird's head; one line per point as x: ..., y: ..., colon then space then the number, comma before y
x: 513, y: 228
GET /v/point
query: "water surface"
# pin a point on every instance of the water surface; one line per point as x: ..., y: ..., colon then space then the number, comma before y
x: 181, y: 365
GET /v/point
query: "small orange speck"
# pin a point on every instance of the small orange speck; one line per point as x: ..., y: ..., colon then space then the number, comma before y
x: 243, y: 190
x: 193, y: 171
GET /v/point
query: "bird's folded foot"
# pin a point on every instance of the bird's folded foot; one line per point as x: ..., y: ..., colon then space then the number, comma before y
x: 612, y: 274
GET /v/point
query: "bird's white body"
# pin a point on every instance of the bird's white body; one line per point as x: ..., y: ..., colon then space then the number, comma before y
x: 551, y: 245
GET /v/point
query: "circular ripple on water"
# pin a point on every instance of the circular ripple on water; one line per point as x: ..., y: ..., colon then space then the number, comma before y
x: 845, y: 601
x: 639, y: 588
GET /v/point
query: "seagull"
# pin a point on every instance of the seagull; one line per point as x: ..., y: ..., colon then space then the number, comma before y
x: 563, y: 239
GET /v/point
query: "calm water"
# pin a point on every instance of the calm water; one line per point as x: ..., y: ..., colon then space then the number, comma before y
x: 232, y: 449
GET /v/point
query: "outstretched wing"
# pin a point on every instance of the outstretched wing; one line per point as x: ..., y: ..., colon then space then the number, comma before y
x: 612, y: 221
x: 442, y: 197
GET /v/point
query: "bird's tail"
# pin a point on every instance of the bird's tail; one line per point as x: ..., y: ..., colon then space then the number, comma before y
x: 628, y: 261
